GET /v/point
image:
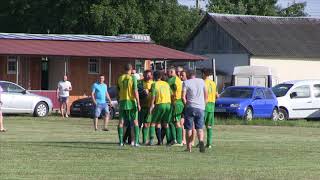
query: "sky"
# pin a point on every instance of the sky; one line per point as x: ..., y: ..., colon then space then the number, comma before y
x: 313, y: 6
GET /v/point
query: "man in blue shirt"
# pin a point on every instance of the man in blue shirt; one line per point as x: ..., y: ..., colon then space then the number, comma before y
x: 99, y: 95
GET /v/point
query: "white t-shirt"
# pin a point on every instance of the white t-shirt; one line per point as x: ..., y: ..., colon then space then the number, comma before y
x: 64, y: 87
x: 195, y: 89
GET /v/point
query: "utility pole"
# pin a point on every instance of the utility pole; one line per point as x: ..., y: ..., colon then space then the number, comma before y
x: 197, y: 4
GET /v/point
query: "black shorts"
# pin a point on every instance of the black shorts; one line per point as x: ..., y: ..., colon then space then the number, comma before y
x: 63, y: 99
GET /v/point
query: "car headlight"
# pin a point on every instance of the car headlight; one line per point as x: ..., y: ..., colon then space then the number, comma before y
x: 235, y: 105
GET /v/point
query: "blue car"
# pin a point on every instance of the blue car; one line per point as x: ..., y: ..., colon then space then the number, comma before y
x: 247, y: 102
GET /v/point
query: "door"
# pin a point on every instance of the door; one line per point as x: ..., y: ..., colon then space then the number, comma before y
x: 20, y: 100
x: 301, y: 102
x: 316, y: 100
x: 270, y: 102
x: 258, y: 103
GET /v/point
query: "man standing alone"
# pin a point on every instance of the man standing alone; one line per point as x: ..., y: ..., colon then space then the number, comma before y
x: 99, y: 95
x: 195, y: 97
x: 64, y: 87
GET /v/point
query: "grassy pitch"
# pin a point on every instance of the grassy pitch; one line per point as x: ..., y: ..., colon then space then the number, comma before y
x: 52, y: 148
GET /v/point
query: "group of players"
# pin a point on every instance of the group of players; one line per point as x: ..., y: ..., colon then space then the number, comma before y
x: 155, y: 103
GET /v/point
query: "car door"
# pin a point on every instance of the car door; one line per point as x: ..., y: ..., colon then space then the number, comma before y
x: 270, y: 102
x: 258, y: 103
x: 21, y: 102
x: 301, y: 102
x: 316, y: 100
x: 6, y: 98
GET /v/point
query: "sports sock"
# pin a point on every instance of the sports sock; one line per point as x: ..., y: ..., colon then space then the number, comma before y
x: 209, y: 136
x: 168, y: 135
x: 173, y: 132
x: 152, y: 132
x: 145, y: 134
x: 158, y: 133
x: 120, y: 134
x: 136, y: 134
x: 179, y: 135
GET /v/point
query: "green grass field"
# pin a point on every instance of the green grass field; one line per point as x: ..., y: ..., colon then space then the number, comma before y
x: 52, y: 148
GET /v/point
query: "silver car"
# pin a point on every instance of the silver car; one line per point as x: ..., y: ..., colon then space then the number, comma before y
x: 17, y: 100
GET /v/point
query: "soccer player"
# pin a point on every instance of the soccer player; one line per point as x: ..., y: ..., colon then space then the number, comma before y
x: 194, y: 96
x: 209, y: 111
x: 144, y: 115
x: 177, y: 107
x: 129, y: 106
x: 99, y: 94
x: 160, y: 108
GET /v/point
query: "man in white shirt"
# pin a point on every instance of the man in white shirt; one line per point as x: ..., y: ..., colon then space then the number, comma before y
x: 64, y: 87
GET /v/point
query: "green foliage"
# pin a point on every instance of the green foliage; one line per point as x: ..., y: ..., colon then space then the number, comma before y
x: 255, y: 7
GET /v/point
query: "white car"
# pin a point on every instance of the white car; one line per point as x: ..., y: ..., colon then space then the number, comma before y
x: 17, y: 100
x: 298, y: 99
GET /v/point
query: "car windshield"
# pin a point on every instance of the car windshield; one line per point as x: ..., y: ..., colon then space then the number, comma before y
x: 237, y: 93
x: 281, y: 89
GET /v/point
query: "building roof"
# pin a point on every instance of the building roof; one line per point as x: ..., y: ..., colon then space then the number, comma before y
x: 88, y: 46
x: 273, y: 36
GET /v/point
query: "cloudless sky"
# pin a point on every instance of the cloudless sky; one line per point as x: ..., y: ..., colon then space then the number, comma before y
x: 313, y: 6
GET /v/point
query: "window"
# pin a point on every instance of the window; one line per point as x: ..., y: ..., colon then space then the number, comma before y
x: 139, y: 66
x: 4, y: 86
x: 301, y: 92
x: 259, y: 93
x: 94, y: 66
x: 268, y: 94
x: 12, y: 88
x: 12, y: 65
x: 316, y: 90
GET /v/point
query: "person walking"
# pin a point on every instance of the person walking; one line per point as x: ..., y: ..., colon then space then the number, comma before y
x: 2, y: 129
x: 101, y: 99
x: 194, y: 96
x: 63, y: 89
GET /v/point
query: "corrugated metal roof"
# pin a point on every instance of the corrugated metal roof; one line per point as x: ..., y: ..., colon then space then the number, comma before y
x: 130, y: 50
x: 274, y: 36
x: 72, y: 37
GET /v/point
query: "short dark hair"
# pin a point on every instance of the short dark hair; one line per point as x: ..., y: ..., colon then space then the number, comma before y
x: 147, y: 71
x: 101, y: 75
x: 191, y: 73
x: 128, y: 67
x: 206, y: 72
x: 158, y: 75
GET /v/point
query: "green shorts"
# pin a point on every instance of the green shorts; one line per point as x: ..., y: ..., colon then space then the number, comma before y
x: 128, y: 115
x: 161, y: 113
x: 144, y: 116
x: 177, y: 110
x: 209, y: 114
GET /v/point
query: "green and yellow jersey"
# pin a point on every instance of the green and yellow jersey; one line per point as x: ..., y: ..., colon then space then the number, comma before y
x: 176, y: 87
x: 147, y: 85
x: 212, y: 90
x: 161, y: 91
x: 127, y: 85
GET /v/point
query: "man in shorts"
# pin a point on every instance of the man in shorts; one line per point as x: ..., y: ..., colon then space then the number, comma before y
x: 209, y: 111
x: 2, y: 129
x: 194, y: 96
x: 160, y: 108
x: 63, y: 89
x: 129, y: 106
x: 177, y: 107
x: 99, y: 94
x: 144, y: 115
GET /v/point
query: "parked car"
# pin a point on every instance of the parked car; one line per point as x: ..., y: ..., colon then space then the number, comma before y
x: 247, y: 102
x: 298, y: 99
x: 85, y: 107
x: 17, y: 100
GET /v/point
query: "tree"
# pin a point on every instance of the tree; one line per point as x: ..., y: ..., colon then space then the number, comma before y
x: 255, y: 7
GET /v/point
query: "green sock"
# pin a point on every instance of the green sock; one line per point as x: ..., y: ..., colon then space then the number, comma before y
x: 145, y: 134
x: 136, y: 134
x: 168, y: 135
x: 152, y: 132
x: 209, y: 136
x: 120, y: 134
x: 179, y: 135
x: 173, y: 132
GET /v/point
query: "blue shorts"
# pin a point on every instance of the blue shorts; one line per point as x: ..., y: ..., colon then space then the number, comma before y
x: 101, y: 109
x: 193, y: 115
x: 63, y: 99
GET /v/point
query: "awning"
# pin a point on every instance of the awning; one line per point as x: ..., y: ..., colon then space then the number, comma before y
x: 115, y: 50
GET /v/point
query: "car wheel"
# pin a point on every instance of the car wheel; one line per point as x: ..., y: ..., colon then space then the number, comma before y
x: 41, y: 110
x: 248, y: 115
x: 275, y: 114
x: 283, y: 115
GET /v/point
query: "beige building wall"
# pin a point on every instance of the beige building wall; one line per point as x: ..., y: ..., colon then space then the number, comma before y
x: 290, y: 68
